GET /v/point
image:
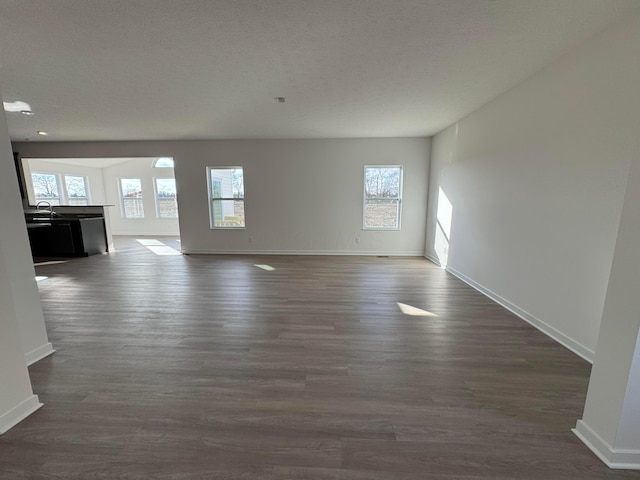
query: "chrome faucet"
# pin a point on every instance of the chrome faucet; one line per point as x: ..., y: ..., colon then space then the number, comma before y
x: 46, y: 204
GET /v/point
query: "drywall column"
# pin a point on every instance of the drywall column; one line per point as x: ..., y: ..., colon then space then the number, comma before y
x: 17, y: 400
x: 19, y: 265
x: 611, y: 422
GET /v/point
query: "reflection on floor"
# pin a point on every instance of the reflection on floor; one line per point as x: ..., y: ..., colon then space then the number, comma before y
x: 38, y: 263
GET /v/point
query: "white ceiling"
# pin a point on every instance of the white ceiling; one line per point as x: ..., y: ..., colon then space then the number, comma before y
x: 208, y: 69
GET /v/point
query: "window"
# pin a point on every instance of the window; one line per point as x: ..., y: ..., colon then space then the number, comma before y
x: 131, y: 198
x: 382, y: 197
x: 226, y: 195
x: 166, y: 205
x: 77, y: 191
x: 46, y: 187
x: 163, y: 162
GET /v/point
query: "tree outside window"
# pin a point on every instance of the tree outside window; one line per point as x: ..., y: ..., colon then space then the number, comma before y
x: 382, y: 197
x: 76, y: 190
x: 226, y: 194
x: 46, y: 187
x: 131, y: 198
x: 166, y: 204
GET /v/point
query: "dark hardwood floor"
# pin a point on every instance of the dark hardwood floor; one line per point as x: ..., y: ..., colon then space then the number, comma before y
x: 207, y: 367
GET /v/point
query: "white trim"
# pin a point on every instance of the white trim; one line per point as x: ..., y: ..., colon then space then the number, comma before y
x: 433, y: 259
x: 612, y: 457
x: 19, y: 413
x: 545, y: 328
x: 141, y: 235
x: 303, y: 252
x: 38, y: 354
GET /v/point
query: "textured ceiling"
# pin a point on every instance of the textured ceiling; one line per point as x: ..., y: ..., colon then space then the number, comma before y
x: 209, y: 69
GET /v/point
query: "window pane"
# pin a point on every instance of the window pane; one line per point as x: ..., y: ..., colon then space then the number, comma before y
x: 227, y: 197
x: 45, y: 187
x: 381, y: 214
x: 166, y: 198
x: 163, y: 162
x: 237, y: 177
x: 132, y: 206
x: 382, y: 182
x: 228, y: 213
x: 76, y: 190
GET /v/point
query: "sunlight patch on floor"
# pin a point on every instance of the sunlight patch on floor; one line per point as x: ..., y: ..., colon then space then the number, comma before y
x: 157, y: 247
x: 149, y: 241
x: 163, y: 250
x: 268, y: 268
x: 414, y: 311
x: 39, y: 278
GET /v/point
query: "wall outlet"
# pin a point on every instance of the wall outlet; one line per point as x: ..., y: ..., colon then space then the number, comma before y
x: 250, y: 239
x: 357, y: 240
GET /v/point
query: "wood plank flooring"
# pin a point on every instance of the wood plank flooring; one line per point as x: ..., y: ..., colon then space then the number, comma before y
x: 206, y: 367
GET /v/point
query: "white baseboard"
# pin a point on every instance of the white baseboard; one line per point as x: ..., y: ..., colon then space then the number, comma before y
x: 612, y: 457
x: 19, y: 413
x: 303, y: 252
x: 545, y: 328
x: 139, y: 235
x: 433, y: 259
x: 39, y: 353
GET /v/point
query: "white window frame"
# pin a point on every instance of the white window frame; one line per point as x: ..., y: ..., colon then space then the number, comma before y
x: 59, y: 186
x: 212, y: 224
x: 122, y: 208
x: 398, y: 199
x: 66, y: 190
x: 157, y: 198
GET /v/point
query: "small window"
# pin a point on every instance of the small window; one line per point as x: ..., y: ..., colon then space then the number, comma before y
x: 163, y: 162
x: 77, y: 191
x: 226, y: 195
x: 166, y: 204
x: 46, y: 187
x: 382, y: 197
x: 131, y: 198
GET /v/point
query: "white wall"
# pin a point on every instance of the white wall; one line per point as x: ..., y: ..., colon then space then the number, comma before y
x: 536, y: 181
x: 301, y: 196
x: 149, y: 225
x: 21, y: 322
x: 611, y: 422
x: 94, y: 177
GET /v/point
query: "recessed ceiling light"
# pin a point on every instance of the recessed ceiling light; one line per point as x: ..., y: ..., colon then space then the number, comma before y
x: 16, y: 106
x: 281, y: 99
x: 43, y: 133
x: 26, y: 112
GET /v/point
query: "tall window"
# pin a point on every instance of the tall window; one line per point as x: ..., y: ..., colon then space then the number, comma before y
x: 166, y: 205
x: 77, y: 191
x: 382, y: 197
x: 46, y: 187
x: 226, y: 197
x: 131, y: 198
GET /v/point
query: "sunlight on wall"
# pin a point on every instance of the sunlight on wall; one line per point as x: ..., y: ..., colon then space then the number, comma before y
x: 443, y: 230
